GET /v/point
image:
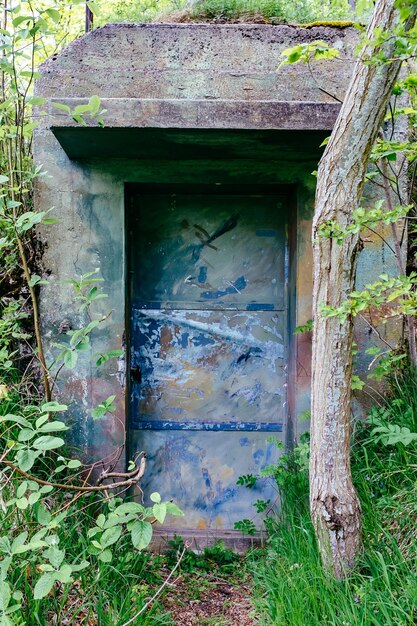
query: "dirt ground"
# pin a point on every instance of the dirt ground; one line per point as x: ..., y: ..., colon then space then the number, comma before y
x: 209, y: 601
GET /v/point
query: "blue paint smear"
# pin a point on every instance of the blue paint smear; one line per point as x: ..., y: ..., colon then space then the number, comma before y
x: 179, y: 447
x: 202, y: 340
x: 238, y: 285
x: 148, y: 332
x: 200, y: 504
x: 244, y: 441
x: 206, y: 478
x: 266, y: 232
x: 142, y: 424
x: 184, y: 340
x: 223, y: 495
x: 258, y: 456
x: 254, y: 306
x: 202, y: 274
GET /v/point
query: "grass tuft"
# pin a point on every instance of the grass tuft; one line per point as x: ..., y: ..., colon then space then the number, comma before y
x: 292, y: 587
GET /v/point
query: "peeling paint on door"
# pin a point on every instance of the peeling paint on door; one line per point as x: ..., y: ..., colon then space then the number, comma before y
x: 208, y: 344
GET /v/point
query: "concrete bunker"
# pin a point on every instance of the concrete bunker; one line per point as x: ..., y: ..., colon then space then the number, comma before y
x: 195, y: 203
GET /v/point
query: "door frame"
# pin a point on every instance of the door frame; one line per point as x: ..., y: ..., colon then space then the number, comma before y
x: 231, y: 538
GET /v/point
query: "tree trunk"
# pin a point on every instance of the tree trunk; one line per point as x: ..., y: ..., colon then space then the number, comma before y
x: 335, y: 508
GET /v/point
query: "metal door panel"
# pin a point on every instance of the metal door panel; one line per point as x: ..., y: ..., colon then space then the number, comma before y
x: 199, y: 471
x: 208, y: 346
x: 210, y: 369
x: 208, y: 249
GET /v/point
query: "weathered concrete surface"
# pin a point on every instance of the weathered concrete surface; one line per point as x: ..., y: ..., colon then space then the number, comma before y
x: 162, y: 86
x: 197, y: 62
x: 142, y: 113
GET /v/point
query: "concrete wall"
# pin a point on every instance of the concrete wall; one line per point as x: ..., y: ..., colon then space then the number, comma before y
x: 179, y: 78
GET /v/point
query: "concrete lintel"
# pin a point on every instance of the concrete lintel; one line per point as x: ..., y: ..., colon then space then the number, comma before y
x: 220, y: 114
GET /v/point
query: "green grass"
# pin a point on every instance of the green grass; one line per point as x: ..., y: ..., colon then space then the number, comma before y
x: 270, y: 11
x: 274, y: 11
x: 292, y: 587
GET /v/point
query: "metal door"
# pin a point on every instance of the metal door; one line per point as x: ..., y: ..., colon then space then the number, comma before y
x: 208, y: 344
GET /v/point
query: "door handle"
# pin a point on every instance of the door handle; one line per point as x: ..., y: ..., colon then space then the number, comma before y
x: 136, y: 374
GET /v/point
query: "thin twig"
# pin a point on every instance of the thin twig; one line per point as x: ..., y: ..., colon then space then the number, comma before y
x: 126, y: 483
x: 156, y: 594
x: 376, y: 331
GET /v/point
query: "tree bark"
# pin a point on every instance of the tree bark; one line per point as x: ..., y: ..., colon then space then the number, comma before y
x: 335, y: 508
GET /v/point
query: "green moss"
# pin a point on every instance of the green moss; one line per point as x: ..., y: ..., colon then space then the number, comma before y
x: 331, y: 23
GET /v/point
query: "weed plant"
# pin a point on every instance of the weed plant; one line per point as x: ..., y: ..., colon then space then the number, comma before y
x: 293, y: 588
x: 274, y: 11
x: 270, y: 11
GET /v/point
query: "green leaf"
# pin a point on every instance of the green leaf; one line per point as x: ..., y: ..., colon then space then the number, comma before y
x: 103, y: 358
x: 20, y: 19
x: 129, y: 507
x: 17, y: 419
x: 159, y: 511
x: 46, y: 567
x: 26, y: 434
x: 61, y: 107
x: 64, y: 574
x: 98, y: 412
x: 5, y: 596
x: 172, y: 509
x: 36, y: 101
x: 70, y: 359
x: 54, y: 555
x: 94, y: 104
x: 51, y: 407
x: 22, y: 503
x: 54, y: 14
x: 74, y: 463
x: 47, y: 442
x: 46, y: 489
x: 36, y: 280
x: 34, y: 497
x: 105, y: 556
x: 100, y: 520
x: 155, y: 497
x: 4, y: 567
x: 77, y: 567
x: 3, y: 179
x: 25, y: 459
x: 80, y: 109
x: 141, y: 533
x: 5, y: 547
x: 44, y: 585
x: 18, y: 542
x: 21, y: 490
x: 41, y: 420
x: 43, y: 516
x: 51, y: 427
x: 94, y: 8
x: 357, y: 383
x: 110, y: 536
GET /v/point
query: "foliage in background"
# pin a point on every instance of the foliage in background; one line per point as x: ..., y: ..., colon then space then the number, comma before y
x: 273, y: 11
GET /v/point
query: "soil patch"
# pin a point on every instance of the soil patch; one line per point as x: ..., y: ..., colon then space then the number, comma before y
x: 210, y: 601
